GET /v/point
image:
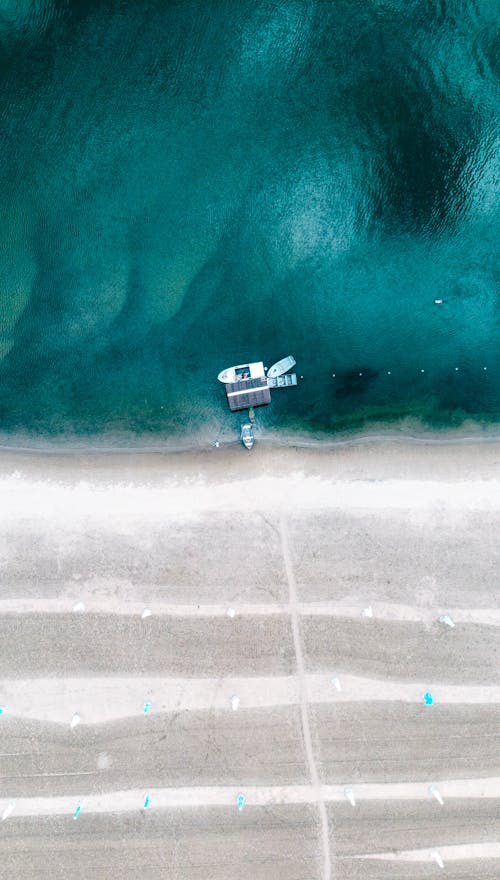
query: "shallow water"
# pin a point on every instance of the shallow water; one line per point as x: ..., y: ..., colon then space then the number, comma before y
x: 187, y: 185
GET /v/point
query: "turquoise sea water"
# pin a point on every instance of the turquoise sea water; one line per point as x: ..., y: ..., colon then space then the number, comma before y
x: 187, y: 185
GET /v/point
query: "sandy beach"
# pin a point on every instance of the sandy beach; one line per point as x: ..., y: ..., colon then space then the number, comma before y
x: 181, y: 629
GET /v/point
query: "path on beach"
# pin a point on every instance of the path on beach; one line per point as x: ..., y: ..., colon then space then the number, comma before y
x: 160, y: 658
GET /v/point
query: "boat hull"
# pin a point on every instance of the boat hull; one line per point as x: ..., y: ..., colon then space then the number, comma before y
x: 241, y: 372
x: 286, y: 381
x: 247, y: 437
x: 281, y: 367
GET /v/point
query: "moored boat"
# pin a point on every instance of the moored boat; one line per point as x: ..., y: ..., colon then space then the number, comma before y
x: 246, y: 435
x: 241, y: 372
x: 281, y: 367
x: 285, y: 381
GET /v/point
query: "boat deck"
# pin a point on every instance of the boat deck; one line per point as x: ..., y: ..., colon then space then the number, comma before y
x: 285, y: 381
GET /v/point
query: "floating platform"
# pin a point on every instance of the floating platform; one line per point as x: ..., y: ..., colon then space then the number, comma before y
x: 248, y: 392
x: 247, y: 384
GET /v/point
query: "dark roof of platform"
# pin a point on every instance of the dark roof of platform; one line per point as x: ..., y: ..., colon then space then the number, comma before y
x: 248, y: 392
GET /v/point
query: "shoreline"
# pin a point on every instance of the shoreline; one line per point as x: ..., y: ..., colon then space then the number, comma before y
x: 270, y: 440
x: 409, y: 431
x: 459, y: 471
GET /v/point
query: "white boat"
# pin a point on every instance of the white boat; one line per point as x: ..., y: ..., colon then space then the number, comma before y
x: 241, y: 372
x: 246, y: 435
x: 282, y: 381
x: 281, y: 367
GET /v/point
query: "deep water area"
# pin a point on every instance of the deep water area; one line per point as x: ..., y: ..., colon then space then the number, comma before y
x: 189, y: 185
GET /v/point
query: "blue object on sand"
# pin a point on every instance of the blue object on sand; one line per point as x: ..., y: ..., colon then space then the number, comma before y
x: 240, y: 800
x: 147, y: 707
x: 428, y: 698
x: 146, y: 802
x: 77, y: 811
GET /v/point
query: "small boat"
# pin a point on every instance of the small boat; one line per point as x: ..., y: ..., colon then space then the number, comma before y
x: 246, y: 435
x: 241, y: 372
x: 282, y: 381
x: 281, y: 367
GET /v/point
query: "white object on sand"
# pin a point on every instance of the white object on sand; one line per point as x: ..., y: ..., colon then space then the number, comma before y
x: 230, y: 612
x: 437, y: 858
x: 445, y: 618
x: 434, y: 791
x: 8, y: 810
x: 336, y: 684
x: 146, y: 613
x: 350, y: 796
x: 75, y: 720
x: 367, y: 612
x: 79, y: 607
x: 235, y: 702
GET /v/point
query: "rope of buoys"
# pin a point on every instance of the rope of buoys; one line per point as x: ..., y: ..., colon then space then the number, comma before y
x: 389, y: 372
